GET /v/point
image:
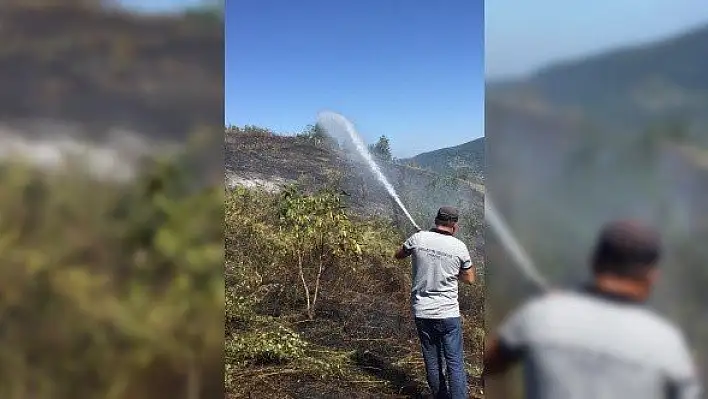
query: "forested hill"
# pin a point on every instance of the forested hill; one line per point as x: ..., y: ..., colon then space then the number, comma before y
x: 464, y: 160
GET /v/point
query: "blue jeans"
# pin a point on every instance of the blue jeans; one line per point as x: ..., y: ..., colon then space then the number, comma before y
x: 441, y: 343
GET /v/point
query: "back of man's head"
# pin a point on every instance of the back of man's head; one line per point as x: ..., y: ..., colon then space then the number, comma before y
x: 626, y: 249
x: 447, y: 216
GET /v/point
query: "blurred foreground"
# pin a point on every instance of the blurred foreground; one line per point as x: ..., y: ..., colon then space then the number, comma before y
x: 109, y: 290
x: 556, y: 195
x: 111, y: 281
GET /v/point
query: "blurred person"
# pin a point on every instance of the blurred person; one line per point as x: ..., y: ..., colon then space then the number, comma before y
x: 600, y: 341
x: 439, y: 261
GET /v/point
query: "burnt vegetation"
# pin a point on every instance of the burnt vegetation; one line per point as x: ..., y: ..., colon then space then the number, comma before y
x: 316, y: 305
x: 92, y: 64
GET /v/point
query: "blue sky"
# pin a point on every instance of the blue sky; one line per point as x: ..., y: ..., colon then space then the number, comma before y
x: 158, y: 5
x: 412, y: 70
x: 522, y: 36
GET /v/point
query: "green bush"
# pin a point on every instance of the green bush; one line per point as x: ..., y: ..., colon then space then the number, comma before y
x: 288, y: 248
x: 277, y: 345
x: 289, y: 241
x: 109, y: 290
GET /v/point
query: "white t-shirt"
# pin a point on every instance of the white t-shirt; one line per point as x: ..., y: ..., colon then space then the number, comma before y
x: 438, y: 258
x: 588, y: 345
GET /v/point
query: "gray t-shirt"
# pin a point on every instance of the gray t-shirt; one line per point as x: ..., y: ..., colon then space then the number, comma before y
x: 438, y: 258
x: 585, y: 345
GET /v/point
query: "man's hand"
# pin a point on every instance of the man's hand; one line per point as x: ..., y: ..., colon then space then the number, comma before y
x: 403, y: 253
x: 467, y: 275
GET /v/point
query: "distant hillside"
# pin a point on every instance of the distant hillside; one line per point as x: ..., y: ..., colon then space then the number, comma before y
x: 625, y: 89
x: 573, y: 126
x: 465, y: 160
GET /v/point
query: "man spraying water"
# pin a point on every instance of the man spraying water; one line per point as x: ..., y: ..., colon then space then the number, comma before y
x: 439, y: 261
x: 600, y: 342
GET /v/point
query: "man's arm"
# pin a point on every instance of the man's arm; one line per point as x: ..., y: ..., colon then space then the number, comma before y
x: 506, y: 348
x: 499, y: 357
x: 403, y: 252
x: 683, y: 382
x: 467, y: 275
x: 688, y: 389
x: 407, y: 248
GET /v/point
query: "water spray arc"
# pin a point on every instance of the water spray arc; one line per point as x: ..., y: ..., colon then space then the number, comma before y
x: 336, y: 125
x: 520, y: 256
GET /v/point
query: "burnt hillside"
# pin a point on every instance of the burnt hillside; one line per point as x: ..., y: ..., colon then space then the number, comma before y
x: 273, y: 161
x: 80, y: 63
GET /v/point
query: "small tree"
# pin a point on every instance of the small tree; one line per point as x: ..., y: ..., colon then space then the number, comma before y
x: 382, y: 149
x: 318, y: 230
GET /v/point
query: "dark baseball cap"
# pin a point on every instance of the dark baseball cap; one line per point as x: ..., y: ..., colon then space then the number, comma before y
x: 447, y: 214
x: 624, y: 244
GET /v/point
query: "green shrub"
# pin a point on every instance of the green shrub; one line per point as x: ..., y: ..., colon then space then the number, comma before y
x: 109, y: 290
x: 274, y: 346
